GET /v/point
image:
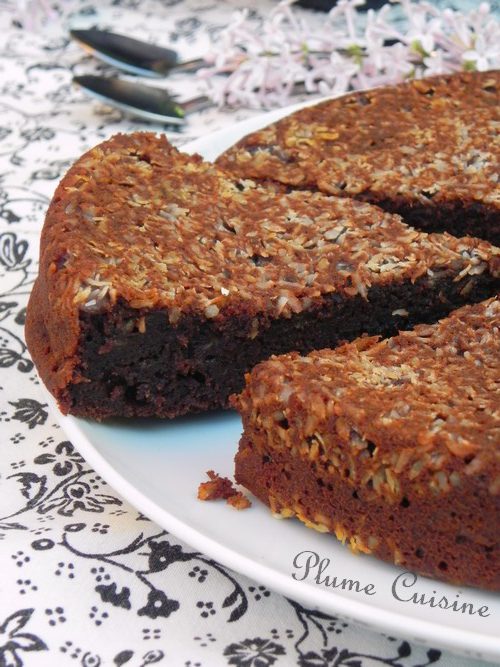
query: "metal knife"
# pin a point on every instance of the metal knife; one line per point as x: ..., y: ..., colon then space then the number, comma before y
x: 137, y: 99
x: 132, y: 55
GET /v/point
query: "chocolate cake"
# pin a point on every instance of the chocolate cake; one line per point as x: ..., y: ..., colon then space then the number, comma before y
x: 163, y: 279
x: 428, y: 150
x: 391, y: 445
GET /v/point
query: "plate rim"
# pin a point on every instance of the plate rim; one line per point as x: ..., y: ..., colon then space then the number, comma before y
x: 443, y: 635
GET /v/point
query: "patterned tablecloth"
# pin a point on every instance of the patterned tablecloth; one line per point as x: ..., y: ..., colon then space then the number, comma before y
x: 85, y: 579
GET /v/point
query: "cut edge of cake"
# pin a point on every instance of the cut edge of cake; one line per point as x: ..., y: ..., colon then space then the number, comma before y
x: 163, y: 279
x: 390, y: 445
x: 426, y: 149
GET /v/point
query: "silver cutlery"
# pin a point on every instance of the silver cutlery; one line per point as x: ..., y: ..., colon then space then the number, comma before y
x: 137, y: 99
x: 133, y: 55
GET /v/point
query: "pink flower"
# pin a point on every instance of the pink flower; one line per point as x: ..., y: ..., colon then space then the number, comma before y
x: 265, y: 64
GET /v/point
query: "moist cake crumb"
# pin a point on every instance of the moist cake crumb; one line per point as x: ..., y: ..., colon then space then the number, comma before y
x: 222, y: 488
x: 163, y: 279
x: 392, y: 445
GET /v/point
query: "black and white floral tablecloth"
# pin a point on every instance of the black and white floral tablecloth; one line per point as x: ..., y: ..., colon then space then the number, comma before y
x: 85, y: 579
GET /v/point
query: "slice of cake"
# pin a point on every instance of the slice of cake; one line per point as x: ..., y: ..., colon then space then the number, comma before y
x: 428, y: 150
x: 163, y: 280
x: 392, y: 445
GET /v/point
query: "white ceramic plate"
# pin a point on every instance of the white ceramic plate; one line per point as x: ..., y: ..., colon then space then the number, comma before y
x: 157, y: 466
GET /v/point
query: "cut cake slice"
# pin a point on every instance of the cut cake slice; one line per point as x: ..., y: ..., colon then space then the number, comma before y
x: 428, y: 150
x: 163, y: 279
x: 393, y: 446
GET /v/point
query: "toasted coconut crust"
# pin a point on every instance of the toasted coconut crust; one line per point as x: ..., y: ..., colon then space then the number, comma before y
x: 428, y: 150
x: 147, y: 253
x: 391, y: 445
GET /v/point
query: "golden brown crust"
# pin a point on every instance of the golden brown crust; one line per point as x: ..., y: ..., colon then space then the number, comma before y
x: 136, y: 222
x: 52, y: 338
x: 394, y: 443
x: 429, y: 144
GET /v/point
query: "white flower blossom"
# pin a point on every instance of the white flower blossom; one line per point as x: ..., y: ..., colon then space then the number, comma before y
x: 263, y: 66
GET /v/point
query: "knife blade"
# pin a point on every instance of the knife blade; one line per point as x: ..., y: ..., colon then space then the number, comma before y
x: 132, y: 55
x: 137, y: 99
